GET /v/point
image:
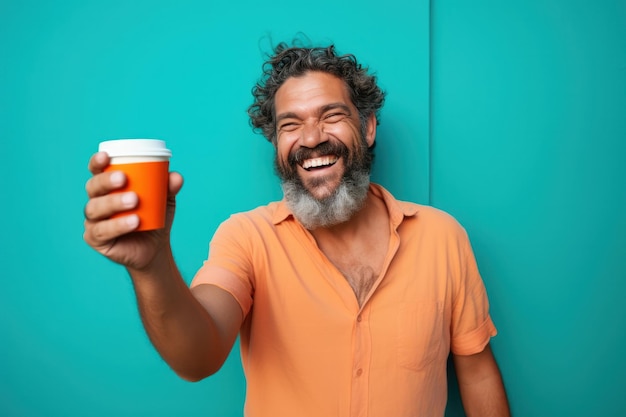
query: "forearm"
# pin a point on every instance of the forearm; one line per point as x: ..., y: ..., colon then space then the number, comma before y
x: 485, y: 399
x: 178, y: 326
x: 481, y: 386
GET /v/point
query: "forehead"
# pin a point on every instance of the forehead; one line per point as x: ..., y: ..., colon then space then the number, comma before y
x: 310, y: 91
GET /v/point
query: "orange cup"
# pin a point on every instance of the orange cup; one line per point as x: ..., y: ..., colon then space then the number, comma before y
x: 145, y: 162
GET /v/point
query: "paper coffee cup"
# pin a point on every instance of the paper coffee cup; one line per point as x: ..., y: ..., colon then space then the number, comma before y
x: 145, y: 162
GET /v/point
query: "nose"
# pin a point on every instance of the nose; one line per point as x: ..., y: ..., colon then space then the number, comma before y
x: 312, y: 135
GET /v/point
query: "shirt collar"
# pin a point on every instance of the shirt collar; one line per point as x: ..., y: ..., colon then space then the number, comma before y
x: 398, y: 210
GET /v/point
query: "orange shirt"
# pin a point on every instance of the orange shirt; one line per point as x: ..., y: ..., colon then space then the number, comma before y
x: 306, y: 346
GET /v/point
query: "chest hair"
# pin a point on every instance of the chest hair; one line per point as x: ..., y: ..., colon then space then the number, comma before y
x: 361, y: 278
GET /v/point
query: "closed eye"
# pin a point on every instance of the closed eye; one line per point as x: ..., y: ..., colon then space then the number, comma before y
x: 334, y: 117
x: 288, y: 127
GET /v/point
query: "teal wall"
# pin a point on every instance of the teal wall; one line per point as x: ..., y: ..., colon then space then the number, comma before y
x: 511, y: 116
x: 529, y: 153
x: 73, y: 73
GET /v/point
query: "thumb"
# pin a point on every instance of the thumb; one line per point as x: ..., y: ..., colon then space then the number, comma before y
x: 175, y: 184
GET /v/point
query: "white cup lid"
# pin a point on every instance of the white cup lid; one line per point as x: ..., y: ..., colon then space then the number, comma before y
x: 134, y: 147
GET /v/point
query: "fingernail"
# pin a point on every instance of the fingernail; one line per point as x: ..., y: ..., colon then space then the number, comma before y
x: 132, y: 221
x: 129, y: 199
x: 100, y: 156
x: 116, y: 178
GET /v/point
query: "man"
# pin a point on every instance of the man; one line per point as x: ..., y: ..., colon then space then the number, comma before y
x: 347, y: 301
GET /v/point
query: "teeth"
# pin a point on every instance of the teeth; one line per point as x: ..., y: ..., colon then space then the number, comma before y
x: 318, y: 162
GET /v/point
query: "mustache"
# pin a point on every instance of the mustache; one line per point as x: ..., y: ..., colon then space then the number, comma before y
x: 336, y: 148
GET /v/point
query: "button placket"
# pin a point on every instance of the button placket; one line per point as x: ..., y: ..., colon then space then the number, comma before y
x: 360, y: 366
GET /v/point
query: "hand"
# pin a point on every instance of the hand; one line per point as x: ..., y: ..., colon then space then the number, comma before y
x: 116, y: 238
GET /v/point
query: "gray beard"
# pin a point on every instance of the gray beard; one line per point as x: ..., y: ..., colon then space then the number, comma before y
x: 340, y: 206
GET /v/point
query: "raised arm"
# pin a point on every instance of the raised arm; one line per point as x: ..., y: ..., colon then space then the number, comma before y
x: 193, y: 332
x: 480, y: 384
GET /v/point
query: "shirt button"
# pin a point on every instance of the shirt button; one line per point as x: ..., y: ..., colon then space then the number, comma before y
x: 358, y: 318
x: 359, y: 372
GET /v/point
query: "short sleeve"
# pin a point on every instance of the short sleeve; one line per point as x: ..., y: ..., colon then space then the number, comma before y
x: 471, y: 326
x: 230, y: 250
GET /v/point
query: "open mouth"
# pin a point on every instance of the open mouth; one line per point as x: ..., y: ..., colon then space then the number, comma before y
x: 319, y: 163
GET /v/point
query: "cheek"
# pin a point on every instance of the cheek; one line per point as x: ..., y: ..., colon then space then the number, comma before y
x: 283, y: 146
x: 283, y: 150
x: 349, y: 135
x: 347, y: 131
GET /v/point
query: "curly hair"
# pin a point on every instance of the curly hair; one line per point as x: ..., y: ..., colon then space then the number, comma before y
x: 294, y: 61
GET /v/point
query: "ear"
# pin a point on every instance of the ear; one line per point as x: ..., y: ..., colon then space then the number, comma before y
x: 370, y: 130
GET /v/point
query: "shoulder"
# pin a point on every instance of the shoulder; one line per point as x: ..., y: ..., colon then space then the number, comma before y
x: 258, y: 221
x: 436, y: 224
x: 436, y: 216
x: 261, y: 213
x: 426, y: 218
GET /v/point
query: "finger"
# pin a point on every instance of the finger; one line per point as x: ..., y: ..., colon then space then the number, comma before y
x: 175, y: 184
x: 103, y: 207
x: 98, y: 162
x: 100, y: 234
x: 105, y: 182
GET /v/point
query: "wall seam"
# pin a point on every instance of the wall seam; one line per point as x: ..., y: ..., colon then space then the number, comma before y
x: 430, y: 102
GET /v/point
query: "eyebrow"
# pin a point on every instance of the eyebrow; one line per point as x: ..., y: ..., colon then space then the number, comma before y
x: 321, y: 110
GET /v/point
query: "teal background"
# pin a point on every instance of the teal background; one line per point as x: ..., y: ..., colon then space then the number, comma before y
x: 509, y: 115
